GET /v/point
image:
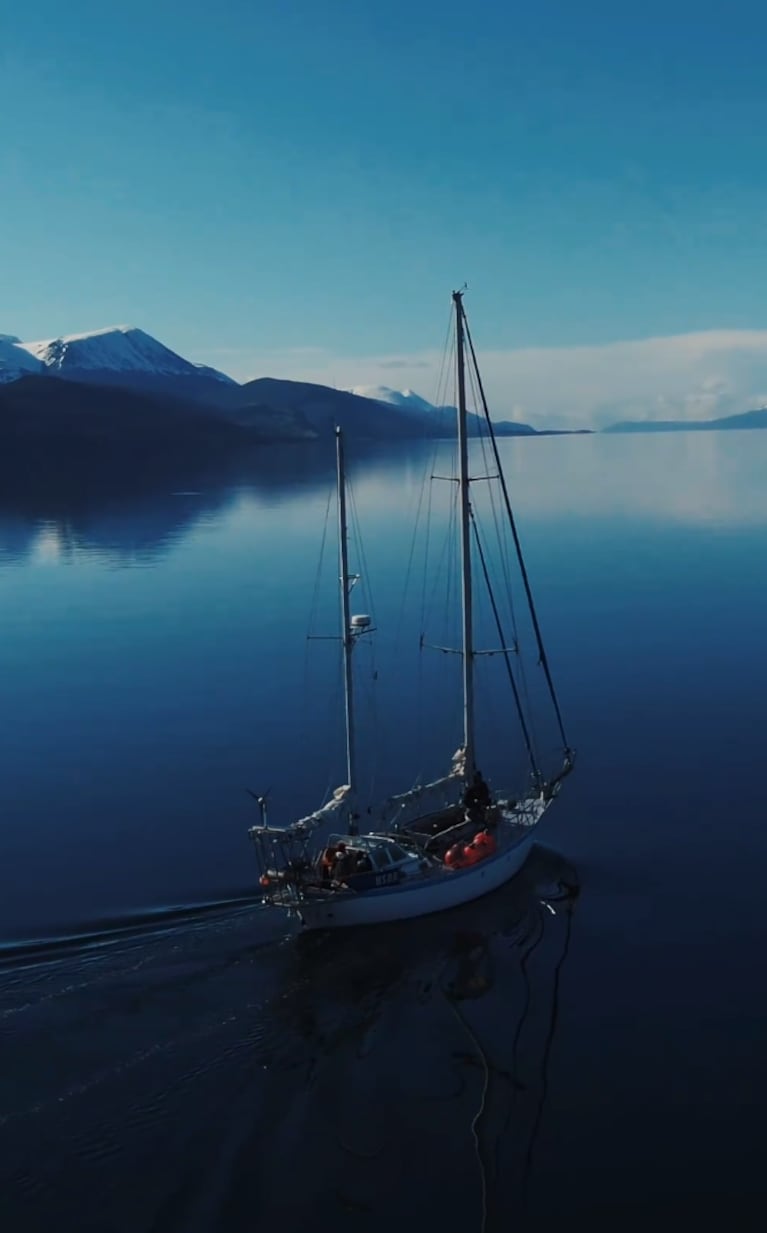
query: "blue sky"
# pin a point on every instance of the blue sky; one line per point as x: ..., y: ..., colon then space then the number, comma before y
x: 262, y: 183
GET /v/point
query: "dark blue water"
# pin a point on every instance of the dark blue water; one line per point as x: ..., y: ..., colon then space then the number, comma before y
x: 551, y: 1054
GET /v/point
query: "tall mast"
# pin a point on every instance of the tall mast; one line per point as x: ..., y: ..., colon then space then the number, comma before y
x: 347, y: 637
x: 463, y: 482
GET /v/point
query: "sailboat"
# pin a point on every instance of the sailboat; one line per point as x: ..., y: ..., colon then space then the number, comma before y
x: 439, y: 844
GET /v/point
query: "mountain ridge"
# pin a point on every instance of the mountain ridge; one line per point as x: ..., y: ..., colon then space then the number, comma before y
x: 42, y: 411
x: 127, y: 359
x: 756, y: 418
x: 119, y: 348
x: 442, y: 417
x: 15, y: 362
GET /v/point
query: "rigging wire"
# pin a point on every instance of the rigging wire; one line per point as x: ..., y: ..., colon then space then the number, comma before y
x: 427, y: 546
x: 410, y: 560
x: 446, y: 563
x: 447, y: 365
x: 318, y: 574
x: 448, y: 351
x: 445, y: 581
x: 370, y: 692
x: 543, y: 660
x: 505, y: 653
x: 422, y: 620
x: 503, y: 554
x: 331, y: 741
x: 500, y: 524
x: 363, y: 576
x: 370, y: 701
x: 524, y: 691
x: 308, y: 688
x: 437, y: 561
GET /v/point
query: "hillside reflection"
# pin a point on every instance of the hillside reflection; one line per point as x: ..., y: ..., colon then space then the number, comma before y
x: 132, y: 514
x: 131, y: 511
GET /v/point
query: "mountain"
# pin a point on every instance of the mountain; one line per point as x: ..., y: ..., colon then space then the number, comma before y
x: 165, y: 384
x: 511, y: 428
x: 440, y: 420
x: 747, y: 419
x: 324, y: 408
x: 120, y: 349
x: 15, y: 362
x: 48, y: 413
x: 128, y: 357
x: 407, y: 399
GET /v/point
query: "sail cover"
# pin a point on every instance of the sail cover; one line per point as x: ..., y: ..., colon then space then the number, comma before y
x: 329, y: 813
x: 426, y: 797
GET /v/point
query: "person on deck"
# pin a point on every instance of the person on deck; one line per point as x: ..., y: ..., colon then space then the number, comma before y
x: 344, y: 865
x: 477, y: 797
x: 328, y: 863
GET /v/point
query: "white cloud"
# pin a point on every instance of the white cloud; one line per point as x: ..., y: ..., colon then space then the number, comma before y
x: 684, y: 376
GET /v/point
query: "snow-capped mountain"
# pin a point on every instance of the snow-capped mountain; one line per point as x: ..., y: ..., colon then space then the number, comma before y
x: 407, y: 399
x: 439, y: 420
x: 204, y: 370
x: 129, y: 358
x: 119, y: 349
x: 122, y: 384
x: 323, y: 408
x: 15, y: 362
x: 125, y: 360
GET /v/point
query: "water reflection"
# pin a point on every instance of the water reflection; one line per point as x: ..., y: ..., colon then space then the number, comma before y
x: 685, y: 478
x: 419, y: 1051
x: 209, y: 1077
x: 131, y: 515
x: 396, y: 1073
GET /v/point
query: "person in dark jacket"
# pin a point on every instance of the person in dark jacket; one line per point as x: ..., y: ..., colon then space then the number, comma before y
x: 344, y: 865
x: 477, y: 793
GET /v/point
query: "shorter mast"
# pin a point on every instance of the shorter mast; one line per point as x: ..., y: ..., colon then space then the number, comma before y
x: 463, y: 482
x: 347, y: 637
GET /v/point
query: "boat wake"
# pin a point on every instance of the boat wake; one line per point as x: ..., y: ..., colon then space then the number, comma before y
x: 105, y: 931
x: 159, y: 1071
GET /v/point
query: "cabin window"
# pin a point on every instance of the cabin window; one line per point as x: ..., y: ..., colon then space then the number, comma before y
x: 397, y: 853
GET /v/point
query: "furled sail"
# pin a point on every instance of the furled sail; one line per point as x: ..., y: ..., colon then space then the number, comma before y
x: 328, y: 814
x: 428, y: 797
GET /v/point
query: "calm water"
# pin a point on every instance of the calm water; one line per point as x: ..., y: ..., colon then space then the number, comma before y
x: 540, y: 1056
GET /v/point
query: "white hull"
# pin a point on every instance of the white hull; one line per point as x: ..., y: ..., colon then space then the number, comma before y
x: 421, y: 897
